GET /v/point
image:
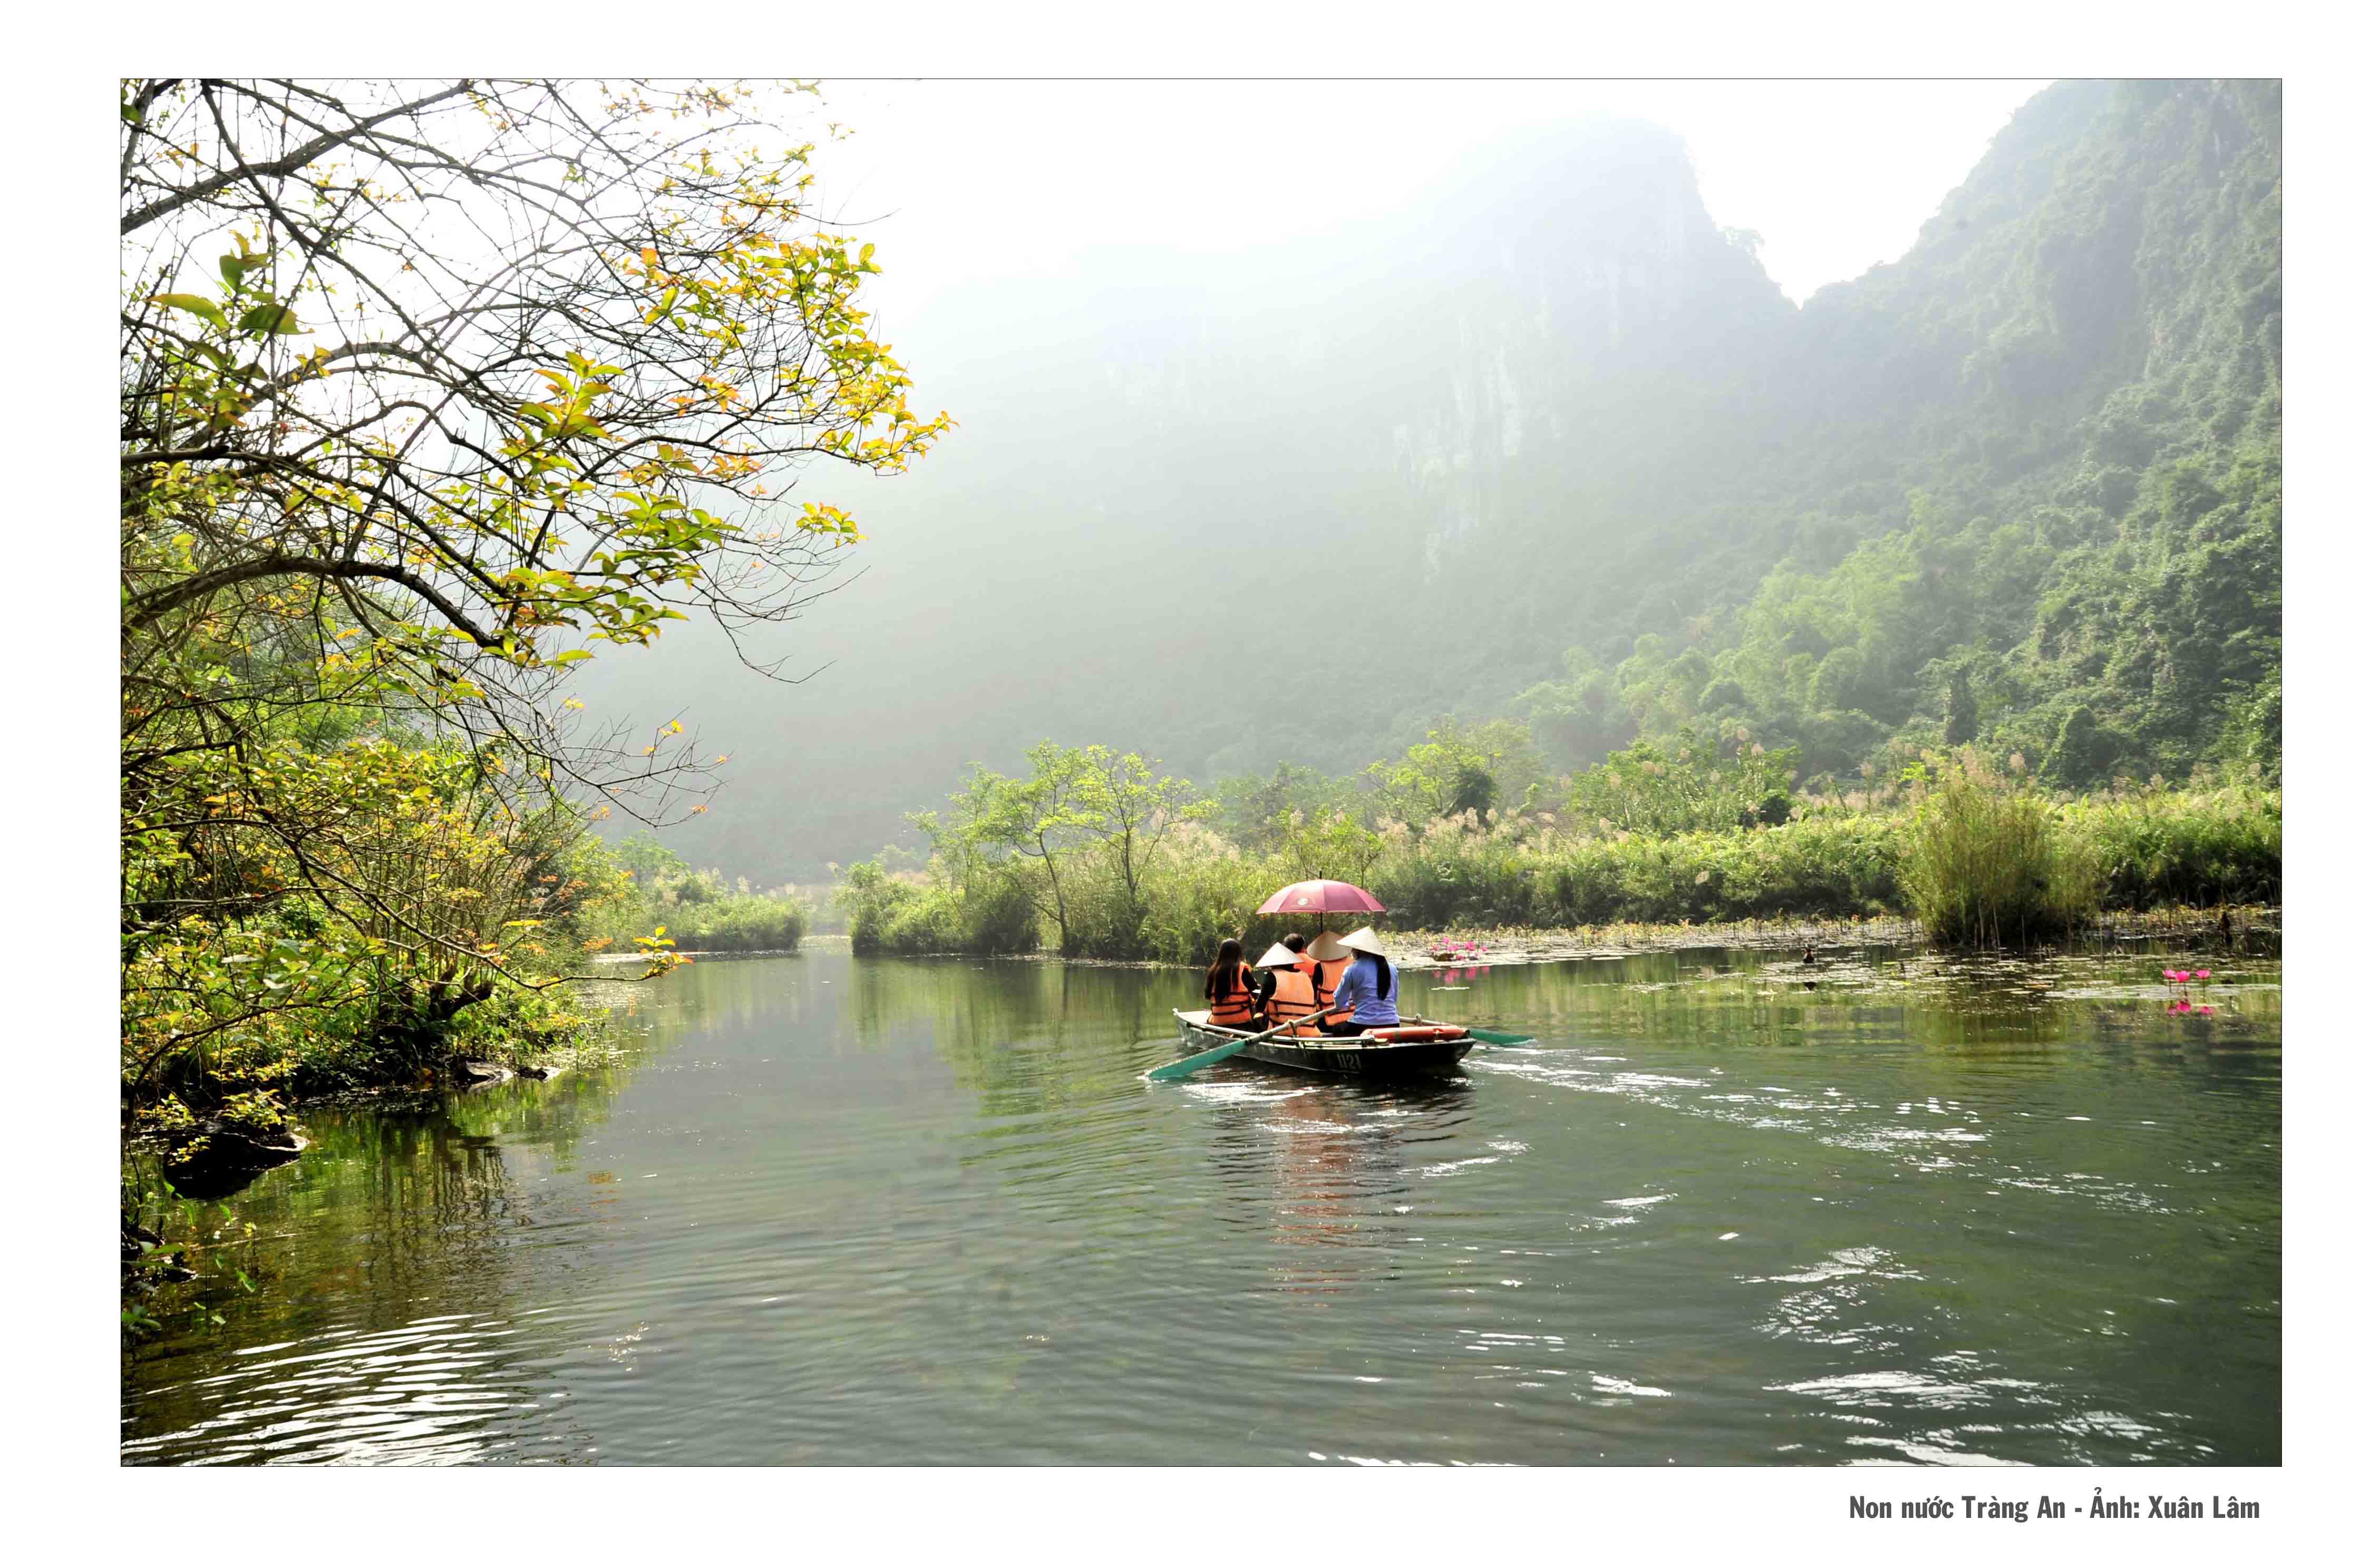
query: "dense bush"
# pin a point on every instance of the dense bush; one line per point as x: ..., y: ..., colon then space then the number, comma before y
x: 701, y: 911
x: 991, y: 911
x: 2202, y: 847
x: 1990, y: 861
x: 428, y: 920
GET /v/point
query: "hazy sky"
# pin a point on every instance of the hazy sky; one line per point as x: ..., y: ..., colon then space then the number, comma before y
x: 977, y: 179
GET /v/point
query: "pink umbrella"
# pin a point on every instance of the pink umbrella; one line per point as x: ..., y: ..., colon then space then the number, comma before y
x: 1322, y: 899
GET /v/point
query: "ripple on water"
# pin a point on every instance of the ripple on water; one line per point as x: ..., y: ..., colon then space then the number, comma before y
x: 932, y: 1214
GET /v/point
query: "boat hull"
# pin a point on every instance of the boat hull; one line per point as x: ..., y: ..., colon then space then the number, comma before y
x: 1347, y: 1056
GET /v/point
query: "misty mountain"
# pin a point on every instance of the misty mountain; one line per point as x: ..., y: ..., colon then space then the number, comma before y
x: 1549, y: 441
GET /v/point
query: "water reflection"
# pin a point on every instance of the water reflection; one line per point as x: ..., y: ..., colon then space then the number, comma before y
x: 396, y: 1204
x: 929, y: 1213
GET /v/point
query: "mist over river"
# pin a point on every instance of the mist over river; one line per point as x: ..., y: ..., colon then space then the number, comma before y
x: 1729, y: 1208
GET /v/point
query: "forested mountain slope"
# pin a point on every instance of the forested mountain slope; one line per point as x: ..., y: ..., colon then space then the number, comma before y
x: 2023, y: 486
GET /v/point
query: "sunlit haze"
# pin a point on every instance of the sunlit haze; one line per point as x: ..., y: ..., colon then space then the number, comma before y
x: 989, y: 179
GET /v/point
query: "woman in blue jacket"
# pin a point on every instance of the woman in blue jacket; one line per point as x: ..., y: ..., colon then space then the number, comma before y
x: 1367, y: 992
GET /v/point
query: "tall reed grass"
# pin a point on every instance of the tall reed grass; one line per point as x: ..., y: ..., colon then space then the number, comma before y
x: 1988, y: 862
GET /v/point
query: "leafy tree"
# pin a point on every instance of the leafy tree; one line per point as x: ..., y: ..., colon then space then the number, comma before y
x: 1459, y: 767
x: 1044, y: 815
x: 1581, y: 717
x: 1958, y: 714
x: 425, y: 394
x: 1128, y: 805
x: 1250, y: 808
x: 648, y: 859
x: 483, y: 456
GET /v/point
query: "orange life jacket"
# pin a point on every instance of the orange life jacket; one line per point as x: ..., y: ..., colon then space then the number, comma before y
x: 1293, y: 997
x: 1326, y: 986
x: 1235, y: 1009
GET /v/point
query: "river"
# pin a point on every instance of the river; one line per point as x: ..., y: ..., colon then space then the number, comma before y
x: 1729, y: 1208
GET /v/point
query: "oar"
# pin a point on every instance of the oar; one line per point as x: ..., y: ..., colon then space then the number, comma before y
x: 1189, y: 1064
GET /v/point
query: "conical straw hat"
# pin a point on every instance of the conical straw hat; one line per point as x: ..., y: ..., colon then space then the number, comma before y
x: 1367, y: 941
x: 1327, y: 947
x: 1277, y: 957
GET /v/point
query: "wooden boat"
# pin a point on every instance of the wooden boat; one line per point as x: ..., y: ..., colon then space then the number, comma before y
x: 1362, y: 1055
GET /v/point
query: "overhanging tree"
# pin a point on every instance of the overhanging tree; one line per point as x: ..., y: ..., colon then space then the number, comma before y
x: 426, y: 392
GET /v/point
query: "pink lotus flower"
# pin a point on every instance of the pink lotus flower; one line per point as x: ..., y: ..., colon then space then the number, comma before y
x: 2205, y: 974
x: 2208, y: 1008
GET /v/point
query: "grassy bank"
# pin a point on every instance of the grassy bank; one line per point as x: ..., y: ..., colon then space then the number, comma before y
x: 1969, y: 855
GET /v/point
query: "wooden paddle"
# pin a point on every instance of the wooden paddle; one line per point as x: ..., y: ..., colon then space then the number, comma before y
x: 1172, y: 1071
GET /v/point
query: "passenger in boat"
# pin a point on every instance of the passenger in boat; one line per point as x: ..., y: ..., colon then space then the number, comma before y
x: 1266, y: 970
x: 1231, y: 989
x: 1304, y: 962
x: 1331, y: 955
x: 1367, y: 990
x: 1286, y: 992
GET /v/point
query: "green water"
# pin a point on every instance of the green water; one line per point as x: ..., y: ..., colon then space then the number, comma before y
x: 1729, y: 1209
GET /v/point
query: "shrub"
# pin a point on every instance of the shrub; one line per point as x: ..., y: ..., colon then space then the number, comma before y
x: 703, y: 914
x: 2165, y: 846
x: 869, y: 897
x: 907, y: 913
x: 1991, y: 861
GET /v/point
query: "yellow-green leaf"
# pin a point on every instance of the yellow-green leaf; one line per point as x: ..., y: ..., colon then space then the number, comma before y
x: 197, y: 305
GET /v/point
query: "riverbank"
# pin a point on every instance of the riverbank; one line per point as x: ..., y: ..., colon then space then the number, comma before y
x: 167, y: 1174
x: 1990, y: 863
x: 2198, y: 930
x: 2254, y: 929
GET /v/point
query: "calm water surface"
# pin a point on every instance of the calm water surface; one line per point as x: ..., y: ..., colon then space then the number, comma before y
x: 1726, y: 1210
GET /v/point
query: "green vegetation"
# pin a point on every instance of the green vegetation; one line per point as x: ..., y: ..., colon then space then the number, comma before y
x: 1076, y: 843
x: 1978, y: 853
x: 384, y: 483
x: 2027, y: 491
x: 1986, y: 861
x: 699, y: 911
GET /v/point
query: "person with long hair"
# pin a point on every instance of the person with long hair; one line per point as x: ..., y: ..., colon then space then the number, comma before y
x: 1367, y: 997
x: 1230, y: 990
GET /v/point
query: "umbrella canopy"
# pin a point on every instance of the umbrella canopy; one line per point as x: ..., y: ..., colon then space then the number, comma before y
x: 1322, y: 899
